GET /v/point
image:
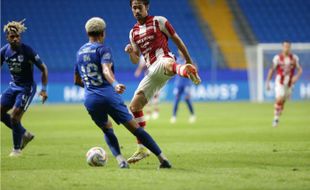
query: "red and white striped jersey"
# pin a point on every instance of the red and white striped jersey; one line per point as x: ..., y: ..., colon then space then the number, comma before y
x: 151, y: 38
x: 285, y: 67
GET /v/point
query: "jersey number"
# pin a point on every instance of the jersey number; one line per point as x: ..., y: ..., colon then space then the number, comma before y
x: 91, y: 75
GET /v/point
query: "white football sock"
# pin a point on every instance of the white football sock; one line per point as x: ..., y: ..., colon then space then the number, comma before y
x: 120, y: 159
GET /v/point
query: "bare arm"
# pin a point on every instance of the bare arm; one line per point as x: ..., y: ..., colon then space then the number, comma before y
x: 44, y: 80
x: 44, y: 76
x: 181, y: 46
x: 269, y: 76
x: 108, y: 74
x: 140, y: 68
x: 78, y: 80
x: 297, y: 76
x: 134, y: 54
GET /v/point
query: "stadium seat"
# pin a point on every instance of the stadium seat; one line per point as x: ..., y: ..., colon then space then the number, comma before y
x: 278, y: 20
x: 56, y: 28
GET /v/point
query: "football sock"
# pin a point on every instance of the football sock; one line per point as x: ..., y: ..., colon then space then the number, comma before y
x: 139, y: 118
x: 120, y: 158
x: 18, y: 131
x: 277, y: 110
x: 176, y: 106
x: 147, y: 141
x: 161, y: 157
x: 180, y: 70
x: 112, y: 141
x: 6, y: 119
x: 190, y: 105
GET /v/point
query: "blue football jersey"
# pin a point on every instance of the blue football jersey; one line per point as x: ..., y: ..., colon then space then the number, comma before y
x: 90, y: 58
x: 20, y: 63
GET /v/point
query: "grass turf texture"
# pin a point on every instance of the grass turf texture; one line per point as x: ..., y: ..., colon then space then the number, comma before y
x: 231, y: 146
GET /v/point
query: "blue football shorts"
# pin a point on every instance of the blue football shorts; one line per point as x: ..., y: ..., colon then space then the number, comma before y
x: 18, y: 96
x: 99, y: 107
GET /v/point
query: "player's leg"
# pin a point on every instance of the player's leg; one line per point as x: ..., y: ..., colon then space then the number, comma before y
x: 150, y: 84
x: 279, y: 102
x: 178, y: 91
x: 5, y: 117
x: 7, y: 103
x: 97, y: 108
x: 136, y: 107
x: 23, y: 100
x: 113, y: 144
x: 278, y: 107
x: 148, y: 108
x: 287, y: 95
x: 184, y: 70
x: 148, y: 142
x: 155, y: 102
x: 189, y: 104
x: 120, y: 114
x: 281, y: 96
x: 20, y: 136
x: 18, y: 130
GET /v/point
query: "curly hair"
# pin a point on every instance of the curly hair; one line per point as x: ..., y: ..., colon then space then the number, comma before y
x: 15, y: 26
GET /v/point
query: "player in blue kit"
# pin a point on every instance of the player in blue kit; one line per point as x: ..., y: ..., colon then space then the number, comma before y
x: 20, y: 59
x: 94, y: 71
x: 182, y: 86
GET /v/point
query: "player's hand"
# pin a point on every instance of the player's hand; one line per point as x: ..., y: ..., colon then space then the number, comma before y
x: 294, y: 80
x: 120, y: 88
x: 44, y: 96
x: 137, y: 73
x: 129, y: 48
x: 267, y: 86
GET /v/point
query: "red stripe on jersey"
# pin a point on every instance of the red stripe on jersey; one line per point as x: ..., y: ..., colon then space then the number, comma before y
x: 284, y: 69
x: 153, y: 43
x: 169, y: 28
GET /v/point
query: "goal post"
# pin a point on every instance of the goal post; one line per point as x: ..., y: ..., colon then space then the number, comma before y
x: 259, y: 59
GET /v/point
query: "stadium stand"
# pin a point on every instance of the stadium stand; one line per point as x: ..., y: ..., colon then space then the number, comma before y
x: 56, y: 28
x: 278, y: 20
x: 220, y: 20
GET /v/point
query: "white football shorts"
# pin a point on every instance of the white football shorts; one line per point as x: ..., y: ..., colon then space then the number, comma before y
x: 282, y: 91
x: 155, y: 78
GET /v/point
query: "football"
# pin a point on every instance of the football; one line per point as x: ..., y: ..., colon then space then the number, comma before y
x: 96, y: 157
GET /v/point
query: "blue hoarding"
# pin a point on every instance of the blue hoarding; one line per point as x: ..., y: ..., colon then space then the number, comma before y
x: 223, y: 91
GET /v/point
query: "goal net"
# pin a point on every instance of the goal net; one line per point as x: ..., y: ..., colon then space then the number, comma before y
x: 259, y: 59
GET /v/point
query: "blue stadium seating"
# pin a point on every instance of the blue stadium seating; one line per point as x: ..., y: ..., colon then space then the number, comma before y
x: 56, y: 27
x: 278, y: 20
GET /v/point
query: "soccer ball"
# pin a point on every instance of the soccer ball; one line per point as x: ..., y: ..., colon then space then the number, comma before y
x: 96, y: 156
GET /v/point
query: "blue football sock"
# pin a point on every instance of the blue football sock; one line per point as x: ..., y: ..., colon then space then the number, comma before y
x: 147, y: 141
x: 112, y: 141
x: 18, y: 131
x: 176, y: 106
x: 6, y: 119
x: 190, y: 105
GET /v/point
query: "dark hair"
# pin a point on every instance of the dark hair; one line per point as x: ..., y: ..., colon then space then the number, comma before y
x: 94, y: 34
x: 286, y: 41
x: 145, y: 2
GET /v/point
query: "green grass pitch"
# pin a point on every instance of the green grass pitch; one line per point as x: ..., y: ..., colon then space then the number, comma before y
x: 231, y: 146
